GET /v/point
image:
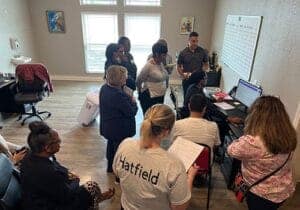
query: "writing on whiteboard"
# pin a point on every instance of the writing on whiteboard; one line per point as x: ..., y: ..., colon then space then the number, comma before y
x: 239, y: 45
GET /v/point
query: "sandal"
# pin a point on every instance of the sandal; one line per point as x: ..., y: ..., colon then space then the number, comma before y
x: 106, y: 195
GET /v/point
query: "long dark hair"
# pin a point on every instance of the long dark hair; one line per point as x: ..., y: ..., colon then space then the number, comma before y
x: 269, y: 120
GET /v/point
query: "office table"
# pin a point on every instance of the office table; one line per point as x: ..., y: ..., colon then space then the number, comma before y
x: 230, y: 166
x: 7, y: 101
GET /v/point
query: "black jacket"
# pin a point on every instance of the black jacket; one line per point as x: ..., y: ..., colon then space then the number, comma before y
x: 46, y: 186
x: 117, y: 114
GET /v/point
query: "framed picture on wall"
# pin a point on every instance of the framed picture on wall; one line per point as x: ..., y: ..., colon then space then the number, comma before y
x: 56, y: 21
x: 186, y: 25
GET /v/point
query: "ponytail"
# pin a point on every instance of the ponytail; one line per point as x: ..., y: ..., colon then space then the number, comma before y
x: 158, y: 118
x: 146, y: 133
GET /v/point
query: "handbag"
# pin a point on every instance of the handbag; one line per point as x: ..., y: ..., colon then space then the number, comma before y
x: 241, y: 188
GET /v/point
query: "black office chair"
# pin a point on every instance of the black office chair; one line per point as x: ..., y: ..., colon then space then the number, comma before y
x: 10, y: 188
x: 33, y: 84
x: 30, y: 93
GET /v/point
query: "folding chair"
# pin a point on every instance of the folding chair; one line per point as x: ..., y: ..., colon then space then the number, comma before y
x: 205, y: 168
x: 174, y: 99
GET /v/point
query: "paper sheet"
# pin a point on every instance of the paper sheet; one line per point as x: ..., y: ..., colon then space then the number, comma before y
x: 187, y: 151
x: 224, y: 105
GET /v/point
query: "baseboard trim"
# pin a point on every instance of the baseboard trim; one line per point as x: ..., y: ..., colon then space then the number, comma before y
x: 95, y: 78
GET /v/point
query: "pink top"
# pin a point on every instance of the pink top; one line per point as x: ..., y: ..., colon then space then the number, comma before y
x: 257, y: 162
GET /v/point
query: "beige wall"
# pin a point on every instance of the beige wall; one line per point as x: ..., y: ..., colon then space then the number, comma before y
x: 277, y: 64
x: 63, y: 53
x: 14, y: 23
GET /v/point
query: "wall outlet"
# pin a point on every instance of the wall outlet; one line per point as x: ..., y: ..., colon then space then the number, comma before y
x: 14, y: 43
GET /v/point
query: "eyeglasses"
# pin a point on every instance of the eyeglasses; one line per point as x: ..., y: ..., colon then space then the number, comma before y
x: 121, y: 51
x: 55, y: 142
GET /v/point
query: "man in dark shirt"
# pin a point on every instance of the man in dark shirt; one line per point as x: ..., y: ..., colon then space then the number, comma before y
x: 193, y: 58
x: 198, y: 80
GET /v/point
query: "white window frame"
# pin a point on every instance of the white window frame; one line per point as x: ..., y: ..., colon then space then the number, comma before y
x: 150, y: 46
x: 141, y: 5
x: 101, y: 70
x: 81, y: 2
x: 119, y: 9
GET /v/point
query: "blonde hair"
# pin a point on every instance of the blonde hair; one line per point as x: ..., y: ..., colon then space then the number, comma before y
x: 158, y: 118
x: 269, y: 120
x: 115, y: 75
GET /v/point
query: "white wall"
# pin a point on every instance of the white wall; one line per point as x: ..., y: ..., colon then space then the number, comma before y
x: 63, y: 53
x: 277, y: 64
x: 15, y: 23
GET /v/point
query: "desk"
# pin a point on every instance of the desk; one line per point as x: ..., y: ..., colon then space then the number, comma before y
x: 230, y: 166
x: 7, y: 101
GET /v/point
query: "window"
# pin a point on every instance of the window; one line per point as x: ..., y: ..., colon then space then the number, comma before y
x: 95, y: 2
x: 98, y: 31
x: 142, y: 2
x: 143, y: 31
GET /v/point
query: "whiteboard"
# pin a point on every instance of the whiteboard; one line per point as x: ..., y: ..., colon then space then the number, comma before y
x: 239, y: 45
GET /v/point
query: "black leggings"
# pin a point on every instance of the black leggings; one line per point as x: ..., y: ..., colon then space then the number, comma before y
x: 256, y: 202
x: 146, y: 101
x: 111, y: 149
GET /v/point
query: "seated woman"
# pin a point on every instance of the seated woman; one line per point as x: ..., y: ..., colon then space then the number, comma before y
x: 46, y: 184
x: 117, y: 110
x: 267, y: 145
x: 13, y: 151
x: 150, y: 177
x: 151, y: 82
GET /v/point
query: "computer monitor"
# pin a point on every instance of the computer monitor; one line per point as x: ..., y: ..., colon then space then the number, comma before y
x: 246, y: 93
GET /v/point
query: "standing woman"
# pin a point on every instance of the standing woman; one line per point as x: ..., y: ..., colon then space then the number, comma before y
x: 167, y: 62
x: 128, y: 62
x: 113, y: 56
x: 150, y: 177
x: 151, y: 82
x: 268, y: 142
x: 117, y: 111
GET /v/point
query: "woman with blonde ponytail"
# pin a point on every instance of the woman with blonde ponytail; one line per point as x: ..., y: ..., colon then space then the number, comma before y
x: 150, y: 177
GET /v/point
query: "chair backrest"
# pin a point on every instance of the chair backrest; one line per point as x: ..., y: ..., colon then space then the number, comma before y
x: 25, y: 86
x: 174, y: 99
x: 173, y: 96
x: 204, y: 159
x: 33, y: 77
x: 10, y: 188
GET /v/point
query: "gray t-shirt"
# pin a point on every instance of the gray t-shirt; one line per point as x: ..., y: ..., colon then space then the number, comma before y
x: 149, y: 178
x: 192, y: 61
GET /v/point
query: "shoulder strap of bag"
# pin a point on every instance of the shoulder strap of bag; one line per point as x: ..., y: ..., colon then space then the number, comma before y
x: 272, y: 173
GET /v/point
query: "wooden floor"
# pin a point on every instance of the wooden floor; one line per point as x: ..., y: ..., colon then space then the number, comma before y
x: 83, y: 149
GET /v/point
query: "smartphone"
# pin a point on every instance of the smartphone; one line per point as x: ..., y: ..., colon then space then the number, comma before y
x: 21, y: 149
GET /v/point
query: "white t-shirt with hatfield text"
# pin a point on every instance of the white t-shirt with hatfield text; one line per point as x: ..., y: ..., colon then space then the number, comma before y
x: 149, y: 178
